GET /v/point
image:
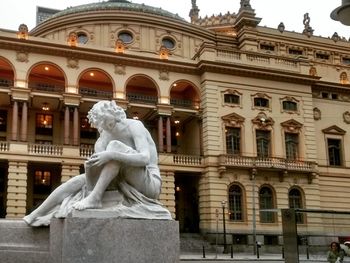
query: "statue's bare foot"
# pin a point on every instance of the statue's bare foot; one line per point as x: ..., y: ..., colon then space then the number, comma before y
x: 29, y: 219
x: 88, y: 202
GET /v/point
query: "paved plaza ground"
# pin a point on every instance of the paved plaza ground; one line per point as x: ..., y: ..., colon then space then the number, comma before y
x: 275, y: 258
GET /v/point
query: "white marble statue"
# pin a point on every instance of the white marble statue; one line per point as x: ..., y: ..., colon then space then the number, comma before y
x: 124, y: 151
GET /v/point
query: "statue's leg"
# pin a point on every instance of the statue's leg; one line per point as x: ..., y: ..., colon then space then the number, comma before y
x: 144, y: 180
x: 92, y: 174
x: 94, y: 200
x: 73, y: 185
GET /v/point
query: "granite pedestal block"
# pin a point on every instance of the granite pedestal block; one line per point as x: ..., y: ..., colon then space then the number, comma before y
x: 98, y: 239
x: 20, y: 243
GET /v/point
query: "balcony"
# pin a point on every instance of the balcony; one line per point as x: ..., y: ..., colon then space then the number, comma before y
x: 46, y: 87
x: 182, y: 162
x: 141, y: 98
x: 91, y: 92
x: 183, y: 103
x: 45, y: 149
x: 274, y: 164
x: 6, y: 82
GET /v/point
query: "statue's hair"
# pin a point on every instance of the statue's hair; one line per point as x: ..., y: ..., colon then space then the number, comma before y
x: 103, y: 107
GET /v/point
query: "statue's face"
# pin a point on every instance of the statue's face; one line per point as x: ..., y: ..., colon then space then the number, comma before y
x: 104, y: 122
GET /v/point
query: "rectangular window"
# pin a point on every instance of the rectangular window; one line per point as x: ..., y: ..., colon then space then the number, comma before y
x: 261, y: 102
x: 334, y: 96
x: 3, y: 121
x: 44, y: 124
x: 346, y: 61
x: 270, y: 240
x: 295, y: 51
x: 334, y: 152
x: 233, y: 140
x: 231, y: 98
x: 290, y: 105
x: 322, y: 56
x: 292, y: 146
x: 325, y: 95
x: 239, y: 239
x: 263, y: 141
x: 267, y: 47
x: 86, y: 131
x: 42, y: 182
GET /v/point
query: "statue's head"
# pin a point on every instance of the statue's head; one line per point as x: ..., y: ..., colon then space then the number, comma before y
x: 106, y: 111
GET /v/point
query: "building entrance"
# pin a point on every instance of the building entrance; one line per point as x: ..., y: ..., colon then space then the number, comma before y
x: 42, y: 180
x: 186, y: 202
x: 3, y: 188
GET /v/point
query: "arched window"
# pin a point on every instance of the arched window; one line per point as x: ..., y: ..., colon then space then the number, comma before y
x: 296, y: 201
x: 235, y: 203
x: 266, y: 202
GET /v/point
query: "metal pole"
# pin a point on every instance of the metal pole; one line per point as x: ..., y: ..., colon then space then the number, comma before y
x: 224, y: 224
x: 254, y: 212
x: 217, y: 232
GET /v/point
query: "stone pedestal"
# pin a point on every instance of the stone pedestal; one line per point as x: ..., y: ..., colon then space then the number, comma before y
x: 90, y: 239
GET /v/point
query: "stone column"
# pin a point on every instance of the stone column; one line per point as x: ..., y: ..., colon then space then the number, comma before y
x: 167, y: 196
x: 160, y: 134
x: 14, y: 120
x: 75, y: 126
x: 290, y: 236
x: 66, y: 125
x: 69, y: 171
x: 16, y: 189
x: 168, y: 135
x: 24, y: 122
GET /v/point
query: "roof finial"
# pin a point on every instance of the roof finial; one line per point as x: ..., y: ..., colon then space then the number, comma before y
x: 307, y: 28
x: 194, y: 12
x: 245, y: 4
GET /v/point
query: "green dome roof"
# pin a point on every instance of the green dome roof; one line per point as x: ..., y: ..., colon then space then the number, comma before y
x: 123, y: 5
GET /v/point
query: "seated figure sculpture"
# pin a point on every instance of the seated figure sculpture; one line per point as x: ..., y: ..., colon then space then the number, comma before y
x: 125, y: 153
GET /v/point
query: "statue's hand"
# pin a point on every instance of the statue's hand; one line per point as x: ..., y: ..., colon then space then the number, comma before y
x: 100, y: 158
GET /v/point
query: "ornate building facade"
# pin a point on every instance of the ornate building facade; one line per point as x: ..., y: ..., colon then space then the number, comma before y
x: 251, y: 117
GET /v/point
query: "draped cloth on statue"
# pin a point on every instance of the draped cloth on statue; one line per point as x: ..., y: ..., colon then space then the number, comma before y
x: 125, y: 203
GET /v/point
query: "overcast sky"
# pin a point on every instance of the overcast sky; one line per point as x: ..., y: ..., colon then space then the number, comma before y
x: 272, y: 12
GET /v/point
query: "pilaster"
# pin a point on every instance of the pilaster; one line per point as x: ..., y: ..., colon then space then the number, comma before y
x: 17, y: 189
x: 69, y: 171
x: 167, y: 196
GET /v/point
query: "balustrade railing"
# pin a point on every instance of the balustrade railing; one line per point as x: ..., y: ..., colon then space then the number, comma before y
x: 91, y: 92
x: 45, y: 149
x: 6, y: 82
x: 4, y: 146
x: 187, y: 159
x: 86, y: 151
x: 182, y: 103
x: 46, y: 87
x: 241, y: 57
x: 267, y: 163
x: 133, y: 97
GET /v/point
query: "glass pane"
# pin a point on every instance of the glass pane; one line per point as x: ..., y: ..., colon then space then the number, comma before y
x: 263, y: 143
x: 292, y: 145
x: 233, y: 140
x: 235, y: 203
x: 334, y: 152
